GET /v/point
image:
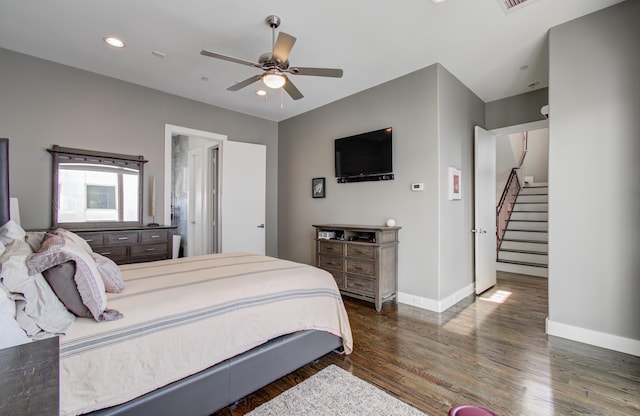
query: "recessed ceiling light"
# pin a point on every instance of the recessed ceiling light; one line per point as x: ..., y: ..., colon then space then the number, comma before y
x: 115, y: 42
x: 438, y: 1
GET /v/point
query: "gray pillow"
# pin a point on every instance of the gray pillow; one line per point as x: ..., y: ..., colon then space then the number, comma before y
x: 60, y: 278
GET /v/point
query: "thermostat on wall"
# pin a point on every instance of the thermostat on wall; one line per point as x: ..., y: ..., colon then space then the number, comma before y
x: 415, y: 187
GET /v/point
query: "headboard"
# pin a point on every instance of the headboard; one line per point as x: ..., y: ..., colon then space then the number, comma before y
x: 4, y: 181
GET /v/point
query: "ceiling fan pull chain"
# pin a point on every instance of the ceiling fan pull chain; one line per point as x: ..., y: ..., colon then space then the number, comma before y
x: 281, y: 98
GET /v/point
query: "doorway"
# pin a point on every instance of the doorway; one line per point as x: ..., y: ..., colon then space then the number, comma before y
x: 191, y: 187
x: 485, y: 259
x: 216, y: 195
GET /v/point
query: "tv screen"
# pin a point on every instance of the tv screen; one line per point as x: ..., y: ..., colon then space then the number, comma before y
x: 364, y: 154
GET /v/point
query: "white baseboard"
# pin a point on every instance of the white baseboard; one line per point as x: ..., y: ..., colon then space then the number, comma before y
x: 436, y: 305
x: 596, y: 338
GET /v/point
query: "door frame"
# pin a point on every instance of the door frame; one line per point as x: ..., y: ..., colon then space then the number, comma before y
x: 516, y: 128
x: 169, y: 131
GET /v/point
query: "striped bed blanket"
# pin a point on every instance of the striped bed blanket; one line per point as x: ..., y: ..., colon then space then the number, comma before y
x: 184, y: 315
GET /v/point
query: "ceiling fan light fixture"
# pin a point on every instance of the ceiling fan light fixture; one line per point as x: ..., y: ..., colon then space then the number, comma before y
x: 273, y: 80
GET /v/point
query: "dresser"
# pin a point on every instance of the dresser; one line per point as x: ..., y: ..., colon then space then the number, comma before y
x: 363, y: 260
x: 130, y: 244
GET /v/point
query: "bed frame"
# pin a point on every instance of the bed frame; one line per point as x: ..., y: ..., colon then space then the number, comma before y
x: 224, y: 383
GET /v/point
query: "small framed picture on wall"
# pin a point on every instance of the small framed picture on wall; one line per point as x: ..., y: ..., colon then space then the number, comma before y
x: 317, y: 187
x: 455, y: 184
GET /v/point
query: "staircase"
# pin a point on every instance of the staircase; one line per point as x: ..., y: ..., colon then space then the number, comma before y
x: 524, y: 248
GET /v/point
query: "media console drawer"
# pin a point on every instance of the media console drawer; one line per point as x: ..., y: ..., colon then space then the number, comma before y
x: 363, y: 260
x: 130, y: 244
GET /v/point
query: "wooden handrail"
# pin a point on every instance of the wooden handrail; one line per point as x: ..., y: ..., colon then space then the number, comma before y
x: 505, y: 206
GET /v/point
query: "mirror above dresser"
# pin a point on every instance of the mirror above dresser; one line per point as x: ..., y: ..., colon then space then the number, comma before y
x: 99, y: 196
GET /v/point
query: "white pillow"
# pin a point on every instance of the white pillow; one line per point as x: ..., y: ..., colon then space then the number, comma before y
x: 11, y: 231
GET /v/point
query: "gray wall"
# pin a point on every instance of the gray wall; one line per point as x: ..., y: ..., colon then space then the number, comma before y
x: 594, y: 194
x: 459, y: 110
x: 428, y: 137
x: 519, y: 109
x: 44, y: 103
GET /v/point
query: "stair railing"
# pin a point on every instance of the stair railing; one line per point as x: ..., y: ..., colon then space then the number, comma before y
x: 509, y: 196
x: 505, y: 206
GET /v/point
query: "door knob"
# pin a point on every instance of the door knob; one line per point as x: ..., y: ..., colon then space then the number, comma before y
x: 261, y: 226
x: 479, y: 231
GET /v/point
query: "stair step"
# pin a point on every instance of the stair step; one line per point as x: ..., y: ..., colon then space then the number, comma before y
x: 528, y: 235
x: 528, y: 225
x: 522, y: 257
x: 511, y: 250
x: 530, y: 206
x: 529, y: 216
x: 522, y: 269
x: 523, y: 263
x: 530, y: 198
x: 537, y: 246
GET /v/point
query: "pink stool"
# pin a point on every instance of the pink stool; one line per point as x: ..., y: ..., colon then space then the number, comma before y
x: 470, y: 410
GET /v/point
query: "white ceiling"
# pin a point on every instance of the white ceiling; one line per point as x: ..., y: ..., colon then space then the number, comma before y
x: 374, y: 41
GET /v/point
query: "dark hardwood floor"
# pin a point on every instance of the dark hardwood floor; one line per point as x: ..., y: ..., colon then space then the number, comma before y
x: 479, y: 351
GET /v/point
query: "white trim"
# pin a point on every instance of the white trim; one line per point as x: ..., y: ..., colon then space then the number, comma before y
x: 169, y: 130
x: 591, y: 337
x: 519, y: 128
x: 436, y: 305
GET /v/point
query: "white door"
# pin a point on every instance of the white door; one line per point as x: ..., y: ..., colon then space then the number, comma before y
x: 243, y: 196
x: 485, y: 209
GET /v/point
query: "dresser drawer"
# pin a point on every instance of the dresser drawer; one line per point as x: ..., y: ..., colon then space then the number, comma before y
x: 93, y: 239
x: 149, y: 250
x: 332, y: 247
x: 154, y: 236
x: 361, y: 251
x: 121, y: 238
x: 330, y: 262
x: 338, y: 277
x: 362, y: 267
x: 360, y: 284
x: 115, y: 253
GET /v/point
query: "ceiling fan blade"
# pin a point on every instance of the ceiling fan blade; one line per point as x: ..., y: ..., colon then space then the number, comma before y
x: 244, y: 83
x: 228, y: 58
x: 292, y: 90
x: 283, y: 46
x: 318, y: 72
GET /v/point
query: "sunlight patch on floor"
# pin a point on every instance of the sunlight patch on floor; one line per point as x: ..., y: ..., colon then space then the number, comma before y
x: 499, y: 296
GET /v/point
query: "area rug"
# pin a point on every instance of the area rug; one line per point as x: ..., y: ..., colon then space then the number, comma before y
x: 332, y: 392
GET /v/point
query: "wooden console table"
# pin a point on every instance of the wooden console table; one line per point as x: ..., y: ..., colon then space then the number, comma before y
x: 362, y: 259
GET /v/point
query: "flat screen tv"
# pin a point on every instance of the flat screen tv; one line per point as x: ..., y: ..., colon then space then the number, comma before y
x: 365, y: 157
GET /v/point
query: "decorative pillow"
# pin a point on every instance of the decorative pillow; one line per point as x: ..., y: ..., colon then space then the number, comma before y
x: 37, y: 309
x: 11, y: 231
x: 110, y: 273
x: 60, y: 278
x: 57, y: 249
x: 74, y: 238
x: 34, y: 239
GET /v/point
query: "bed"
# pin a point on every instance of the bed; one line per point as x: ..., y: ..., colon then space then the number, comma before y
x: 197, y: 334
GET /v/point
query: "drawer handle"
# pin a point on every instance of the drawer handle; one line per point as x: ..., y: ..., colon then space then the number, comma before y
x: 358, y: 268
x: 155, y: 236
x: 150, y: 249
x: 89, y: 240
x: 106, y: 253
x: 123, y: 238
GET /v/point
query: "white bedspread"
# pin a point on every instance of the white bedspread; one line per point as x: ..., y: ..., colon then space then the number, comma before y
x: 184, y: 315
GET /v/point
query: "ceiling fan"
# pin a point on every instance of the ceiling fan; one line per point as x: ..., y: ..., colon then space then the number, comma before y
x: 275, y: 64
